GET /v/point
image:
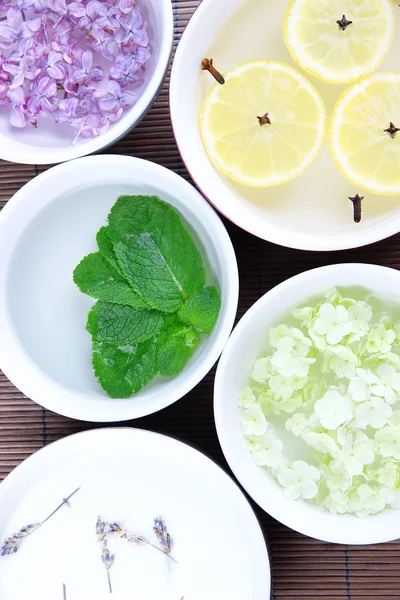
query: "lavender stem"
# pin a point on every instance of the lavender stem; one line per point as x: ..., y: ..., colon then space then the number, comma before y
x: 163, y: 552
x: 64, y: 591
x: 109, y: 581
x: 65, y: 501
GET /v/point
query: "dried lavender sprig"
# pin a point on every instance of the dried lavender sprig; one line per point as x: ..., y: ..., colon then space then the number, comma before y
x: 164, y: 539
x: 12, y: 544
x: 64, y: 591
x: 136, y: 539
x: 102, y: 528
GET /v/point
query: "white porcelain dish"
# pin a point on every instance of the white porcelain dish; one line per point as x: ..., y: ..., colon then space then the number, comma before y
x: 312, y: 212
x: 45, y: 230
x: 245, y: 345
x: 130, y: 476
x: 51, y: 143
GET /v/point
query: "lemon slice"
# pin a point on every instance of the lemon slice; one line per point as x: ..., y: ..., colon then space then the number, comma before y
x: 339, y: 42
x: 363, y: 138
x: 265, y: 125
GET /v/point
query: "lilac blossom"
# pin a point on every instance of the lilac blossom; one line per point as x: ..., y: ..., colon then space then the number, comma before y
x: 116, y: 100
x: 77, y: 62
x: 83, y: 70
x: 53, y: 65
x: 132, y: 30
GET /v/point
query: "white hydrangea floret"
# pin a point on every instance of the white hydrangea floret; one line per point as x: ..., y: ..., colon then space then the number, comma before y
x: 364, y: 385
x: 270, y: 455
x: 342, y: 361
x: 282, y: 387
x: 299, y: 480
x: 357, y: 452
x: 321, y: 442
x: 337, y: 502
x: 388, y: 440
x: 246, y: 398
x: 380, y: 339
x: 277, y: 334
x: 297, y: 424
x: 388, y: 475
x: 253, y: 421
x: 288, y: 365
x: 262, y: 370
x: 332, y: 323
x: 373, y: 413
x: 291, y: 404
x: 390, y: 383
x: 374, y: 500
x: 333, y: 409
x: 268, y: 403
x: 360, y: 315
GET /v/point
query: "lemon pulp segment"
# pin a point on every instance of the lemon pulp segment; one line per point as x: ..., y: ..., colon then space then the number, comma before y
x: 365, y: 153
x: 339, y: 42
x: 257, y: 154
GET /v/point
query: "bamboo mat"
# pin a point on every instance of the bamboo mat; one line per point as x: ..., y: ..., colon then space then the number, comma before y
x: 301, y: 567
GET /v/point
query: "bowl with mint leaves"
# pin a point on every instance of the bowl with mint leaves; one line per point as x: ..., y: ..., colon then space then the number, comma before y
x: 119, y: 288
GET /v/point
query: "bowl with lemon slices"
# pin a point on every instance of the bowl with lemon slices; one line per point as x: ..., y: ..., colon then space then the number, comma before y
x: 287, y: 116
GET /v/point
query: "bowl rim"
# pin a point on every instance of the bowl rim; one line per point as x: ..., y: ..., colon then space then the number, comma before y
x: 377, y: 231
x: 23, y: 371
x: 299, y: 522
x: 19, y: 152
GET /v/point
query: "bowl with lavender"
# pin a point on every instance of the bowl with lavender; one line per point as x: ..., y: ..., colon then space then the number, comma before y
x: 307, y: 403
x: 77, y: 76
x: 118, y: 288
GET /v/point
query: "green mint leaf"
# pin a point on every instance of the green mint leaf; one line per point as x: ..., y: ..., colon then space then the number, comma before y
x: 95, y: 277
x: 147, y: 272
x: 201, y: 310
x: 106, y: 248
x: 119, y: 324
x: 123, y: 371
x: 175, y: 345
x: 151, y: 241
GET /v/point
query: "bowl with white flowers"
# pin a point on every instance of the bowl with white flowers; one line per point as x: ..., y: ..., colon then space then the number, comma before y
x: 307, y: 403
x: 76, y: 76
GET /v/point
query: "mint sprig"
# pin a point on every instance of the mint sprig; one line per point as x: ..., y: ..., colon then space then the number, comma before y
x: 201, y: 310
x: 106, y: 248
x: 124, y: 370
x: 175, y: 345
x: 120, y: 324
x: 153, y: 306
x: 96, y: 277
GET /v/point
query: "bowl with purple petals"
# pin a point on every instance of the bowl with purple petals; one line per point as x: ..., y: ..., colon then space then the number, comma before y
x: 77, y: 76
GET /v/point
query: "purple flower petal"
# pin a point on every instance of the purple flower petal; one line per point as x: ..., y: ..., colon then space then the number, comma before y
x: 76, y: 9
x: 18, y: 81
x: 47, y: 87
x: 126, y: 6
x: 95, y: 9
x: 16, y: 95
x: 87, y: 60
x: 108, y: 104
x: 56, y: 72
x: 7, y: 31
x: 128, y: 98
x: 16, y: 118
x: 34, y: 104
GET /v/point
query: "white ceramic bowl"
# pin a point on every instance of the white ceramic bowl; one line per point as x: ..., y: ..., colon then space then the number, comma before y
x: 245, y: 345
x: 312, y: 212
x: 198, y: 501
x: 51, y: 143
x: 45, y: 230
